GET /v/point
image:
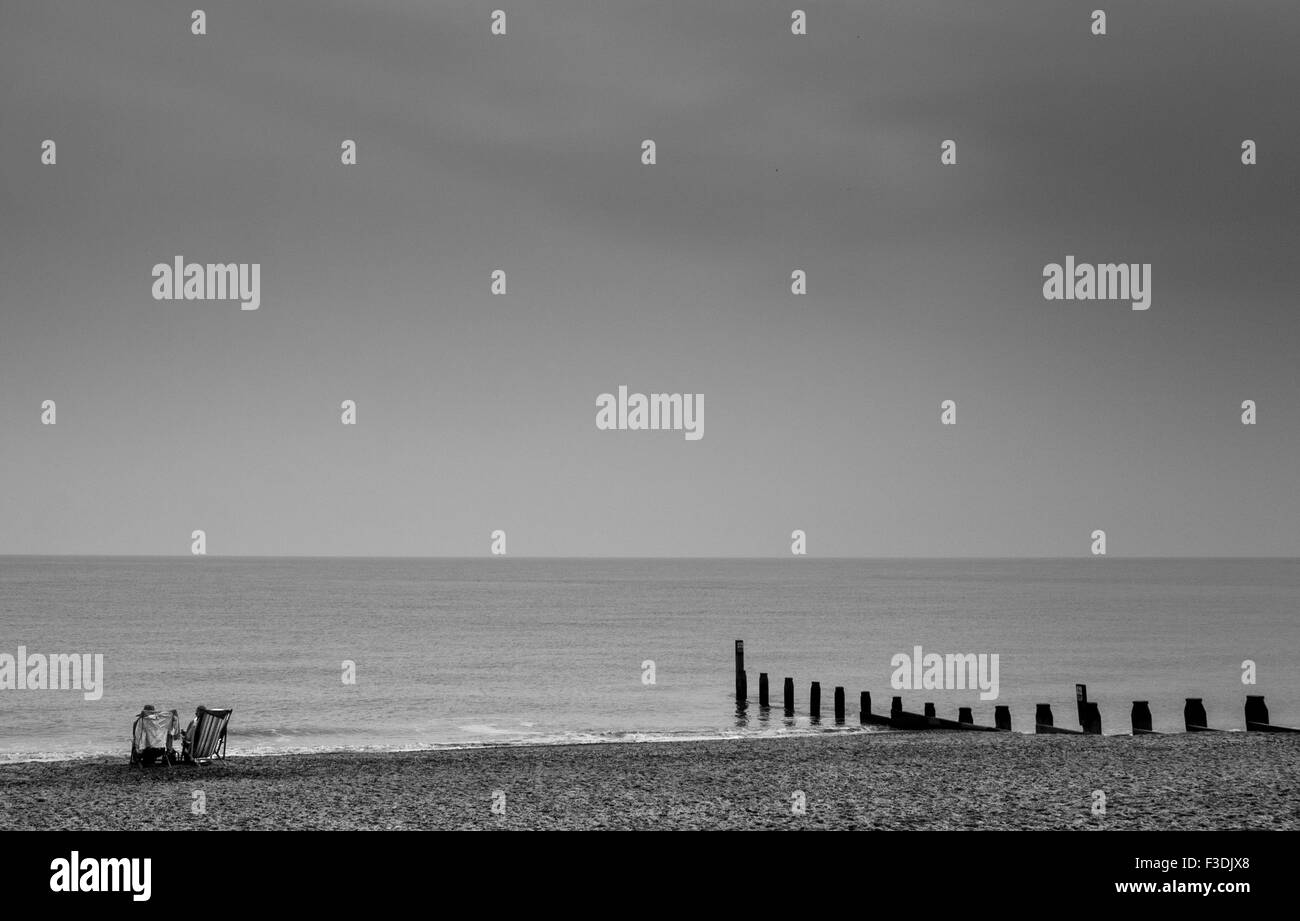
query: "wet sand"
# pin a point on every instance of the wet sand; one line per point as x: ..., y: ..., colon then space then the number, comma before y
x: 884, y: 780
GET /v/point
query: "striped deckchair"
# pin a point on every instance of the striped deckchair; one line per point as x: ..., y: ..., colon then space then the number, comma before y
x: 209, y: 740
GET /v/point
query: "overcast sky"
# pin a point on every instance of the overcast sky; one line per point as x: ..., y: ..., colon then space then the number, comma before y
x: 775, y: 153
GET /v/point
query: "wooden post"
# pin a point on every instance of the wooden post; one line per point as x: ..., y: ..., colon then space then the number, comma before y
x: 896, y: 705
x: 742, y: 689
x: 1257, y: 716
x: 964, y: 715
x: 866, y: 717
x: 1256, y: 711
x: 762, y: 690
x: 1194, y: 718
x: 789, y: 697
x: 1089, y: 714
x: 839, y: 705
x: 1042, y: 717
x: 815, y: 701
x: 1002, y: 717
x: 1141, y: 717
x: 929, y: 710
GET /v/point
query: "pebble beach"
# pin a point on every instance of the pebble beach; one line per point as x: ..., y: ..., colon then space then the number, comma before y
x: 846, y: 780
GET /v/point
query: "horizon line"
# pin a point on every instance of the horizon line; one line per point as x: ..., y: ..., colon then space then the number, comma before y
x: 790, y: 557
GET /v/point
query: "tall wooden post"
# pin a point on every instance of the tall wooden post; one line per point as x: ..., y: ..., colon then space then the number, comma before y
x: 1141, y: 717
x: 789, y: 697
x: 742, y: 689
x: 815, y: 700
x: 762, y: 690
x: 839, y: 705
x: 1089, y: 714
x: 1002, y: 717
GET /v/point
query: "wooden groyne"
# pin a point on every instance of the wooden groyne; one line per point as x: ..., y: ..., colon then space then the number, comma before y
x: 1045, y: 724
x: 1257, y: 716
x: 865, y: 716
x: 1087, y: 711
x: 901, y: 719
x: 1194, y: 718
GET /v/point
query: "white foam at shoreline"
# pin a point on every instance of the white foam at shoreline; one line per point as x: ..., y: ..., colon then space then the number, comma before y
x: 541, y: 740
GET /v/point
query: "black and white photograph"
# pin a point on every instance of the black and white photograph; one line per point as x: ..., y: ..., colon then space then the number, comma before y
x: 356, y: 476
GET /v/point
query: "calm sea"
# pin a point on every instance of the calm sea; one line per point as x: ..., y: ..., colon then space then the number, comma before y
x: 517, y: 651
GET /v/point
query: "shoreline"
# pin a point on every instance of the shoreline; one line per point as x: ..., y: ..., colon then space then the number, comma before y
x: 651, y: 737
x: 865, y: 779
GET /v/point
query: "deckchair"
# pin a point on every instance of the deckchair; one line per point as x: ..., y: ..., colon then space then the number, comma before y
x: 152, y: 736
x: 209, y: 739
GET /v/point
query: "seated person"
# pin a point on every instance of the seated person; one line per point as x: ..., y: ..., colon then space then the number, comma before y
x: 149, y: 743
x: 188, y: 735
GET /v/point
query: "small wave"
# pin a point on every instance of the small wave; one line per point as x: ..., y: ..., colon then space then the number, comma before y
x: 484, y: 730
x: 28, y: 757
x: 572, y: 738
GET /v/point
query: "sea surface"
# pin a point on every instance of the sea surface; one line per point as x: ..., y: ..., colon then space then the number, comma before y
x: 453, y: 653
